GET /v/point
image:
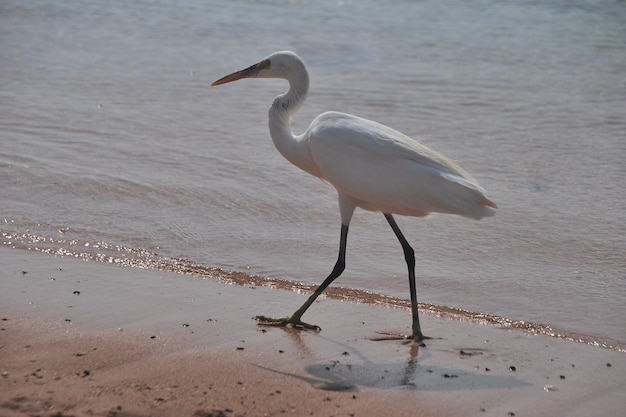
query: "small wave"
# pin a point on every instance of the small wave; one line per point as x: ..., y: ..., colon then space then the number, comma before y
x: 141, y: 258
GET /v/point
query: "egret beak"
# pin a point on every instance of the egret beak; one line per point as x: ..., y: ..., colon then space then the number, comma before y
x: 250, y: 72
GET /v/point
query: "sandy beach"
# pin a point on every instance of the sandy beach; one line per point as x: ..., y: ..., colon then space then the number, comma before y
x: 83, y: 338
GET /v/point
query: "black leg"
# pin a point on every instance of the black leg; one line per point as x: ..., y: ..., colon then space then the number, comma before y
x: 409, y: 256
x: 295, y: 319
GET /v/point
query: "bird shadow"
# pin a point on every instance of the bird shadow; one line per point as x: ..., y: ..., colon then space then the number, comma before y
x: 359, y: 370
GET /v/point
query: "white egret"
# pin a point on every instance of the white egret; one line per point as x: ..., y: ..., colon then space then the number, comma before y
x: 370, y: 165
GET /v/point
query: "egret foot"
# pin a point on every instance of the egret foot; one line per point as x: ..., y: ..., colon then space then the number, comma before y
x: 395, y: 336
x: 418, y: 338
x: 286, y: 322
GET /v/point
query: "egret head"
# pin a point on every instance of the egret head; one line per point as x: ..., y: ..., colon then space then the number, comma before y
x: 277, y: 65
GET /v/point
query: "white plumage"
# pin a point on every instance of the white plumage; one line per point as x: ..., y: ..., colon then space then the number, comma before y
x: 381, y: 169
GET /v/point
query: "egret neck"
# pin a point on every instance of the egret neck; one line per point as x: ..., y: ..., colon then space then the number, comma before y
x: 294, y: 148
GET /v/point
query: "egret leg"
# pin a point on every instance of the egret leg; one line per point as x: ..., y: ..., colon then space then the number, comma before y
x: 409, y: 256
x: 296, y: 318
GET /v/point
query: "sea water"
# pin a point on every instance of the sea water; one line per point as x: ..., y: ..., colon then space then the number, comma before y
x: 112, y: 142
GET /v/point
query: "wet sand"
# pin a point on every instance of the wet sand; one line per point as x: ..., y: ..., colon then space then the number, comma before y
x: 83, y: 338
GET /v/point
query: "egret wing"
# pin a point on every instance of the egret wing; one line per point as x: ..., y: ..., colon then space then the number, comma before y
x: 384, y: 170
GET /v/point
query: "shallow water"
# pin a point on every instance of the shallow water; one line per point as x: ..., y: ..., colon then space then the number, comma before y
x: 114, y: 146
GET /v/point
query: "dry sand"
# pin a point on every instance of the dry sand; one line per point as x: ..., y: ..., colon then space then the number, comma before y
x: 84, y: 338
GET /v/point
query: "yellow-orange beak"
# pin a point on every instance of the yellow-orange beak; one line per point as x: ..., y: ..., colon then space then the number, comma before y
x: 249, y: 72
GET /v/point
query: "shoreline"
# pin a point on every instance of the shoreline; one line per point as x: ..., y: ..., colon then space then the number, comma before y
x: 139, y: 258
x: 161, y: 343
